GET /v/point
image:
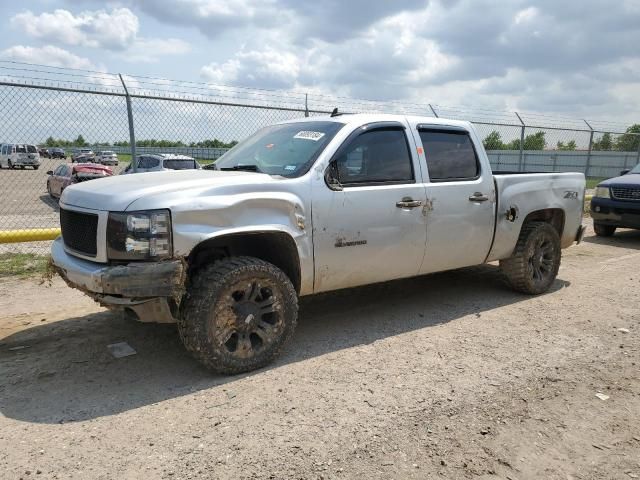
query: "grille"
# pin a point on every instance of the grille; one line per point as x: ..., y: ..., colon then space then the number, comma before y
x: 79, y: 231
x: 626, y: 193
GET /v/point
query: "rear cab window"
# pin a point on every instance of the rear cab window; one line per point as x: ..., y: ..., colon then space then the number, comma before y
x: 450, y: 155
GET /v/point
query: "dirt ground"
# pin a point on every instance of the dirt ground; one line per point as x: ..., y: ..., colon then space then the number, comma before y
x: 445, y: 376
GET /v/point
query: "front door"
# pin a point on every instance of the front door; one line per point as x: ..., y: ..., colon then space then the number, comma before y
x: 369, y: 227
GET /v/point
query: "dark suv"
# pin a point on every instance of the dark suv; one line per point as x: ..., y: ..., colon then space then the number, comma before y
x: 616, y: 203
x: 57, y: 152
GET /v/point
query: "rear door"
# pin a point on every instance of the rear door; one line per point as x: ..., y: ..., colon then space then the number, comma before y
x: 371, y: 227
x: 461, y: 198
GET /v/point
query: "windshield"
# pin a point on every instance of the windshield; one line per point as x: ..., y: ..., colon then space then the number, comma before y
x: 21, y: 149
x: 635, y: 169
x: 288, y: 149
x: 108, y: 152
x: 180, y: 164
x: 32, y: 149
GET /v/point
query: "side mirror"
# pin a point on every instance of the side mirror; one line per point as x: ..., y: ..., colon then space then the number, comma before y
x: 49, y: 172
x: 624, y: 172
x: 332, y: 178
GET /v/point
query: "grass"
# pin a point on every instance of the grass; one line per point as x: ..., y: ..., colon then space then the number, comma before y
x: 23, y: 265
x: 592, y: 182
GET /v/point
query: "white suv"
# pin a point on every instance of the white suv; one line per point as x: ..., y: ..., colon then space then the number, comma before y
x: 19, y: 155
x: 159, y: 162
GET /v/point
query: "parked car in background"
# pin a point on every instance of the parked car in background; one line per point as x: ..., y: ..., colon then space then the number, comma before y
x: 19, y: 155
x: 68, y: 174
x: 616, y: 203
x: 163, y: 162
x: 57, y: 152
x: 43, y: 152
x: 107, y: 157
x: 82, y: 155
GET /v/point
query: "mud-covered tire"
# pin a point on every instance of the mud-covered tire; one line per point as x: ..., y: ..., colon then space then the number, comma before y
x: 603, y: 230
x: 243, y: 298
x: 534, y: 265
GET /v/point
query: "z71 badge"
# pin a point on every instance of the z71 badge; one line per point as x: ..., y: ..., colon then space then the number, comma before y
x: 570, y: 194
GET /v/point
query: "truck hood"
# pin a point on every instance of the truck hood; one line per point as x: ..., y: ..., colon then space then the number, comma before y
x: 628, y: 179
x: 119, y: 192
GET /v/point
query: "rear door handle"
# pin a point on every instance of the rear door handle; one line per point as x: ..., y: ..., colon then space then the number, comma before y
x: 408, y: 202
x: 478, y: 197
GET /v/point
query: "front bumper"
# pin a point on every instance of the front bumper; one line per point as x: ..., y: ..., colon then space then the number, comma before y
x: 618, y: 213
x: 114, y: 284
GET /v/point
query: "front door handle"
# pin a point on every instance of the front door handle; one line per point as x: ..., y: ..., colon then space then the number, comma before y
x: 478, y: 197
x: 408, y: 202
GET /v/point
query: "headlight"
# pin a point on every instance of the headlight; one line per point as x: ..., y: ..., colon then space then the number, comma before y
x: 144, y: 235
x: 602, y: 192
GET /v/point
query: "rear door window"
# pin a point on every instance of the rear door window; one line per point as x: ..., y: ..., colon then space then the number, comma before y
x: 450, y: 155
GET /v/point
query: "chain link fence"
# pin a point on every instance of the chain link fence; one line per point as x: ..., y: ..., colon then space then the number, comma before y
x: 69, y: 109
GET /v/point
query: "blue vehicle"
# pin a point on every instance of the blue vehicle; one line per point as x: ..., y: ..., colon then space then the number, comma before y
x: 616, y: 203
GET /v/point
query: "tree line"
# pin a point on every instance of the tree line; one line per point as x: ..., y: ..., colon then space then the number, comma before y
x: 80, y: 141
x: 627, y: 142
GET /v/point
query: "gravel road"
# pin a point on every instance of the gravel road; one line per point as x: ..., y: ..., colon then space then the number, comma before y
x: 445, y: 376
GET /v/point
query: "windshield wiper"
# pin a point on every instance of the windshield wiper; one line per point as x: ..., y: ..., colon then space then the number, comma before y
x: 244, y: 168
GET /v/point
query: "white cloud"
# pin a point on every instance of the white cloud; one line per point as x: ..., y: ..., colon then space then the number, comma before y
x: 115, y: 30
x: 47, y: 55
x: 148, y: 50
x: 270, y: 68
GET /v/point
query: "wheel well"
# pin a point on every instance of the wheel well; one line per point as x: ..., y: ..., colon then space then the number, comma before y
x: 553, y: 216
x: 277, y: 248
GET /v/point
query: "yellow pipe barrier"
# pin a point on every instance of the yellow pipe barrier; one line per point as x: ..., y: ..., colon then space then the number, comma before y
x: 587, y: 198
x: 30, y: 235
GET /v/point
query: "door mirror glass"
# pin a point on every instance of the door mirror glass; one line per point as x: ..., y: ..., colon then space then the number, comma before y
x: 49, y: 172
x: 332, y: 178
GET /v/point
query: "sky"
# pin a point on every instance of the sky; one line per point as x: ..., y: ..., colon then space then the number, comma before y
x: 575, y: 58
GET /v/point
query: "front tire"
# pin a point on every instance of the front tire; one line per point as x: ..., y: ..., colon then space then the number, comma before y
x: 534, y: 265
x: 238, y: 314
x: 603, y: 230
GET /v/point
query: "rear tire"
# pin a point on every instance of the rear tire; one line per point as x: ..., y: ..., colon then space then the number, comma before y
x: 534, y: 265
x: 238, y: 314
x: 603, y: 230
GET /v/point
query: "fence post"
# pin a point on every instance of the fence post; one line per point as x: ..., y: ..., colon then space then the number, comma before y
x: 521, y: 163
x: 306, y: 104
x: 433, y: 111
x: 132, y: 135
x: 588, y: 166
x: 638, y: 157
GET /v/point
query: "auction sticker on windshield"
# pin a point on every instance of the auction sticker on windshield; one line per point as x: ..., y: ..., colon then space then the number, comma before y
x: 308, y: 135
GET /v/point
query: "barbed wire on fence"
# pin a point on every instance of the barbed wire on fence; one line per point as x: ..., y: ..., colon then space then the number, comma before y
x: 71, y: 108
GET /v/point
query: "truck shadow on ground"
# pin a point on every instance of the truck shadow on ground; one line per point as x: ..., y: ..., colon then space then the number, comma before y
x: 67, y: 375
x: 623, y: 238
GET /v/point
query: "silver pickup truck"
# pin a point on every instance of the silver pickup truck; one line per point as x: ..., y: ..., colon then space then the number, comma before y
x: 302, y: 207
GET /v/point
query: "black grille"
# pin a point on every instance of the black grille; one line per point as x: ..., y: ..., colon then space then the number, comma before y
x: 79, y: 231
x: 626, y: 193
